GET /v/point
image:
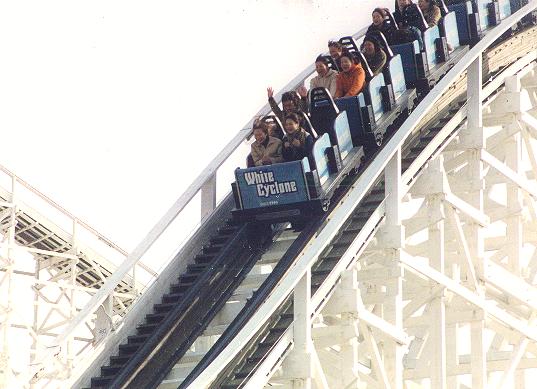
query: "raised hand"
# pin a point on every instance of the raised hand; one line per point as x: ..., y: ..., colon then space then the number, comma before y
x: 302, y: 91
x: 270, y: 92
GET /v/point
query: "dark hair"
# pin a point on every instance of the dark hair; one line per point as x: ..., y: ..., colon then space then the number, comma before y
x: 292, y: 116
x: 260, y: 124
x: 373, y: 40
x: 291, y: 96
x: 381, y: 11
x: 397, y: 3
x: 262, y: 128
x: 349, y: 55
x: 431, y: 4
x: 335, y: 44
x: 321, y: 58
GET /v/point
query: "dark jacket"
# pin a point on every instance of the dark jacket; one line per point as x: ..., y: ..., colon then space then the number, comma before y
x: 409, y: 16
x: 377, y: 61
x: 290, y: 152
x: 302, y: 106
x: 387, y: 29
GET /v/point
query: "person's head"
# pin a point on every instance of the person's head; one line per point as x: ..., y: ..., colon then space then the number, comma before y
x: 260, y: 134
x: 370, y: 46
x: 378, y: 16
x: 403, y: 3
x: 260, y: 130
x: 272, y: 129
x: 347, y: 61
x: 335, y: 49
x: 424, y: 4
x: 292, y: 123
x: 290, y: 102
x: 321, y: 65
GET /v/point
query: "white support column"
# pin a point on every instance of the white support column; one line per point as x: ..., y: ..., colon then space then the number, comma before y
x: 302, y: 312
x: 393, y: 240
x: 5, y: 360
x: 302, y: 365
x: 473, y: 138
x: 393, y: 189
x: 474, y: 93
x: 452, y: 358
x: 347, y: 296
x: 479, y: 355
x: 514, y: 233
x: 208, y: 196
x: 514, y: 205
x: 36, y: 312
x: 103, y: 321
x: 72, y: 294
x: 437, y: 313
x: 476, y: 243
x: 348, y: 355
x: 452, y: 334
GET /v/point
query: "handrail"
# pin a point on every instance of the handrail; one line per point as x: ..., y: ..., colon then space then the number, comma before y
x: 63, y: 210
x: 160, y: 227
x: 74, y: 218
x: 340, y: 214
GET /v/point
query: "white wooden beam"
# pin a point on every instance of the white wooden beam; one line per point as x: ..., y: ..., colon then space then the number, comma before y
x: 376, y: 360
x: 522, y: 182
x: 419, y: 301
x: 467, y: 209
x: 208, y: 196
x: 489, y: 307
x: 461, y: 239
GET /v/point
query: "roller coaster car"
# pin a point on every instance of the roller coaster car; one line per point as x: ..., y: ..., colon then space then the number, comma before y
x: 442, y: 49
x: 384, y: 100
x: 294, y: 191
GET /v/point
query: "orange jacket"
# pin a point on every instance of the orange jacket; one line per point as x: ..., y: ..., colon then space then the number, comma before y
x: 350, y: 83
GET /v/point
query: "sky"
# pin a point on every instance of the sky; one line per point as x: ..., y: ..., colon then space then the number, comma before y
x: 112, y: 108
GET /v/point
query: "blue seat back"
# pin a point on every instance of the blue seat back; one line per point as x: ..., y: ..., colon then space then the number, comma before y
x: 373, y: 91
x: 462, y: 10
x: 320, y: 157
x: 517, y: 4
x: 395, y: 67
x: 429, y: 43
x: 505, y: 8
x: 351, y: 105
x: 343, y: 134
x: 449, y: 29
x: 408, y: 52
x: 483, y: 10
x: 323, y: 110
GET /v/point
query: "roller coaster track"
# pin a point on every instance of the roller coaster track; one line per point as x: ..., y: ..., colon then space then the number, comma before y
x: 276, y: 336
x: 256, y: 349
